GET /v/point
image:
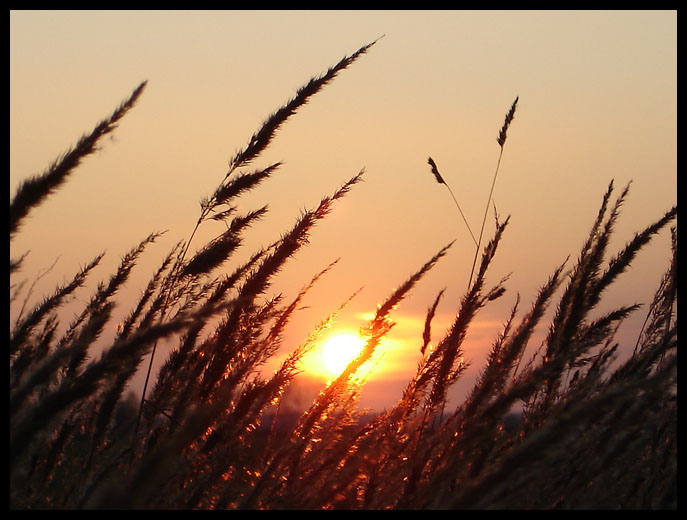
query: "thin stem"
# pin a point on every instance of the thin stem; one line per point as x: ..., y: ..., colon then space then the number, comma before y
x: 503, y: 135
x: 484, y: 218
x: 258, y: 142
x: 461, y: 214
x: 175, y: 273
x: 440, y: 180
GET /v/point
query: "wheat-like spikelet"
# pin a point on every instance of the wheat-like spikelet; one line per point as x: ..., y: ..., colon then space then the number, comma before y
x: 237, y: 185
x: 217, y: 251
x: 257, y: 144
x: 105, y: 292
x: 440, y: 180
x: 61, y: 359
x: 32, y: 192
x: 274, y: 336
x: 20, y: 333
x: 502, y: 141
x: 508, y: 351
x: 262, y: 138
x: 595, y: 431
x: 658, y: 323
x: 506, y: 123
x: 375, y: 330
x: 147, y: 295
x: 622, y: 260
x: 448, y: 351
x: 177, y: 368
x: 309, y: 422
x: 558, y: 429
x: 259, y: 281
x: 84, y: 384
x: 427, y: 332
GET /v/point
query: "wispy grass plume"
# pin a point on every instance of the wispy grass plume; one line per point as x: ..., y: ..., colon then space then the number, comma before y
x: 440, y: 180
x: 503, y: 134
x: 262, y: 138
x: 576, y: 426
x: 35, y: 190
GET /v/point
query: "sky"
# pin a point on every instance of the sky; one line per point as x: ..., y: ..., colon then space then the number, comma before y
x: 597, y: 101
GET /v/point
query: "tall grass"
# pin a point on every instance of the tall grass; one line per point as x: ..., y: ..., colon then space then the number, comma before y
x: 595, y: 431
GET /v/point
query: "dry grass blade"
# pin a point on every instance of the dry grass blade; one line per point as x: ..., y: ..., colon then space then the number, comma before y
x: 435, y: 171
x: 35, y: 190
x: 285, y: 315
x: 661, y: 311
x: 112, y: 361
x: 375, y: 330
x: 19, y: 334
x: 240, y: 184
x: 575, y: 428
x: 553, y: 436
x: 293, y: 241
x: 426, y: 333
x: 60, y: 359
x: 506, y: 123
x: 338, y: 391
x: 257, y: 144
x: 508, y: 351
x: 106, y: 291
x: 262, y: 138
x: 440, y: 180
x: 441, y: 363
x: 623, y: 259
x: 216, y: 252
x: 502, y: 141
x: 147, y: 295
x: 259, y: 281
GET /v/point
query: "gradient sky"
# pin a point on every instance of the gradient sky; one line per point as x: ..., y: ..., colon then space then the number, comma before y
x: 597, y: 101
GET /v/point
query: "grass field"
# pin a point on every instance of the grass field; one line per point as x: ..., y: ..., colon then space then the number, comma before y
x: 210, y: 433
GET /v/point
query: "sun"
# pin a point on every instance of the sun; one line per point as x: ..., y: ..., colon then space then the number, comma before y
x: 337, y: 352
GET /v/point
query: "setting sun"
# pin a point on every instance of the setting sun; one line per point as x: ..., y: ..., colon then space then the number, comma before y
x: 335, y: 353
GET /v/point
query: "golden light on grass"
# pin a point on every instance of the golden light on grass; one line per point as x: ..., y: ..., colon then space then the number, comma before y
x: 216, y: 431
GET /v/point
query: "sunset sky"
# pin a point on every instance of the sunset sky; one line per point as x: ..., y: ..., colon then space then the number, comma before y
x: 597, y: 101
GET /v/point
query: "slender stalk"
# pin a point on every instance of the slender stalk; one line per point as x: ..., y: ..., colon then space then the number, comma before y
x: 484, y: 218
x: 503, y: 134
x: 441, y: 180
x: 258, y: 143
x: 35, y: 190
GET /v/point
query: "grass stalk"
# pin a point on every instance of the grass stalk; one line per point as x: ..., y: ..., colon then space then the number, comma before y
x: 574, y: 428
x: 441, y: 180
x: 35, y: 190
x: 503, y: 134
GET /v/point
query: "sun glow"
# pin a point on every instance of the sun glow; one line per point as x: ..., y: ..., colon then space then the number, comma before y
x: 335, y: 354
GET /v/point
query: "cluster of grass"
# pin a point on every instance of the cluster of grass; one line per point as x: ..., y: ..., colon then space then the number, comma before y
x: 595, y: 431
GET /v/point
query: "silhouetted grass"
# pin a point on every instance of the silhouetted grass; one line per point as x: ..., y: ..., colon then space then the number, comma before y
x: 594, y: 431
